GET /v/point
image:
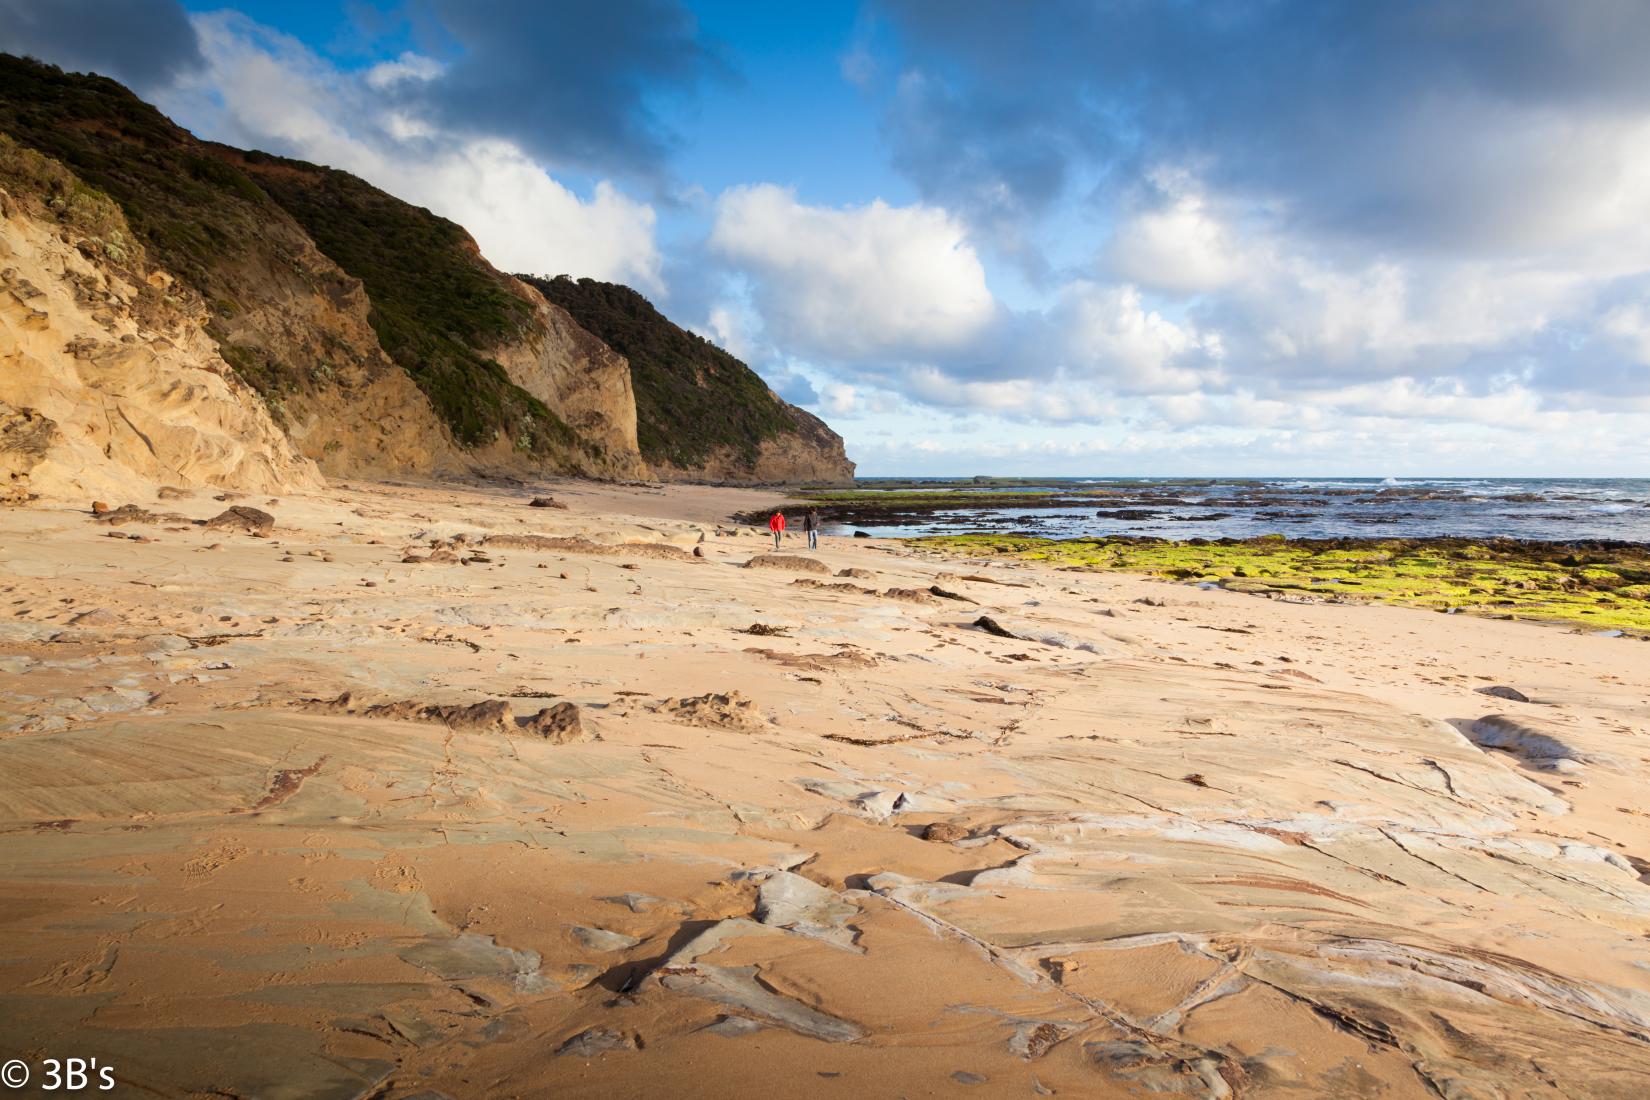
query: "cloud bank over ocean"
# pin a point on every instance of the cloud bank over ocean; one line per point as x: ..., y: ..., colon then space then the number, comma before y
x: 1118, y: 238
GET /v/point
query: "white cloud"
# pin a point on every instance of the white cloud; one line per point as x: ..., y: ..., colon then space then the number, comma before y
x: 893, y: 282
x: 409, y: 66
x: 1180, y: 247
x: 1107, y: 333
x: 838, y: 399
x: 267, y: 90
x: 1628, y: 324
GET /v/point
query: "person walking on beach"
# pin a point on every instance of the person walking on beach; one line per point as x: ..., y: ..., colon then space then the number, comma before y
x: 776, y: 524
x: 810, y: 524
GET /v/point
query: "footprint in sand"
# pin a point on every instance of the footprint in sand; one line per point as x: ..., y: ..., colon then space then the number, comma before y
x: 210, y: 862
x: 399, y: 878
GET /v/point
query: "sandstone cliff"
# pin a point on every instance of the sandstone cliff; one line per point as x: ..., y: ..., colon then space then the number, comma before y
x: 701, y: 414
x: 570, y: 370
x: 289, y: 321
x: 521, y: 385
x: 378, y: 338
x: 104, y: 376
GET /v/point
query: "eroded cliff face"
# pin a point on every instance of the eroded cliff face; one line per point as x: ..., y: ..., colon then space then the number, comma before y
x: 373, y: 332
x: 811, y: 455
x: 104, y: 381
x: 352, y: 410
x: 288, y: 316
x: 701, y: 414
x: 581, y: 379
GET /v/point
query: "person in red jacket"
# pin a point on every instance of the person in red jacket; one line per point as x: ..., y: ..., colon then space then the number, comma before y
x: 776, y: 524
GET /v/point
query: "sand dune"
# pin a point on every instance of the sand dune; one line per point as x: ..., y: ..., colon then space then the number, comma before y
x: 1178, y: 842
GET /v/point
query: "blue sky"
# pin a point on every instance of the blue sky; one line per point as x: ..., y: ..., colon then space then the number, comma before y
x: 1295, y: 237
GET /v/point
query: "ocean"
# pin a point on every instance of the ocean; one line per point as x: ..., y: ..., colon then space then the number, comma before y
x: 1548, y: 509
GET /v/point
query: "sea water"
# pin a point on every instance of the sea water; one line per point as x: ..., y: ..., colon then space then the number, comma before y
x: 1549, y: 509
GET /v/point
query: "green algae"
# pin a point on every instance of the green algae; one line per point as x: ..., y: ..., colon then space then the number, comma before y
x: 1598, y: 586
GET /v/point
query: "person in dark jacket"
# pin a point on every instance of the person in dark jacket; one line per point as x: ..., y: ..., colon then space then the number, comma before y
x: 810, y: 524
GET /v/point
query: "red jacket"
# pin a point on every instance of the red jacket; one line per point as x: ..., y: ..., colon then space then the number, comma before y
x: 777, y: 522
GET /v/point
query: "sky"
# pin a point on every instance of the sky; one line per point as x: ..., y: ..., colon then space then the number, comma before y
x: 1165, y: 238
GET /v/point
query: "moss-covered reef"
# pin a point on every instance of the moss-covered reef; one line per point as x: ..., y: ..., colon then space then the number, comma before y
x: 1602, y: 586
x: 692, y: 398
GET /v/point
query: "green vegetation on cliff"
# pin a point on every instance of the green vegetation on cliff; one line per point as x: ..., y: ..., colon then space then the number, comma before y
x: 436, y: 305
x: 1603, y: 587
x: 208, y: 214
x: 188, y: 208
x: 273, y: 249
x: 692, y: 398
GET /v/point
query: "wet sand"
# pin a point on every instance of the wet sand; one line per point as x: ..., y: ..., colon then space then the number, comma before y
x: 1155, y: 841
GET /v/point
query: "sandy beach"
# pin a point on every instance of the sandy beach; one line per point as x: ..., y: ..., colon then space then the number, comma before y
x: 808, y: 827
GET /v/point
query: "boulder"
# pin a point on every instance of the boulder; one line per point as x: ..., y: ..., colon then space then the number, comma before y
x: 239, y: 517
x: 560, y: 724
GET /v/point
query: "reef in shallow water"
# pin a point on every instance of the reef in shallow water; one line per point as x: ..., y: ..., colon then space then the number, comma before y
x: 1602, y: 586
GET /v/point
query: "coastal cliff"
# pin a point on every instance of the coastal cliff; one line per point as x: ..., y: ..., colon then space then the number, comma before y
x: 701, y: 414
x: 106, y: 374
x: 371, y: 335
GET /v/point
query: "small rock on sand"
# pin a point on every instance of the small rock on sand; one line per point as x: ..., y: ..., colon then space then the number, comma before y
x: 636, y: 903
x: 730, y: 711
x: 600, y: 939
x: 794, y: 562
x: 1501, y: 691
x: 909, y: 595
x: 944, y: 832
x: 238, y: 517
x: 560, y: 724
x: 991, y: 626
x: 597, y: 1040
x: 546, y: 502
x: 126, y: 513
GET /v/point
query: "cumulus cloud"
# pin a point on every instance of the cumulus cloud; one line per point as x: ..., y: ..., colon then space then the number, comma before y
x: 1474, y: 124
x: 864, y: 282
x: 266, y: 90
x: 1177, y: 244
x: 1107, y: 333
x: 1407, y: 205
